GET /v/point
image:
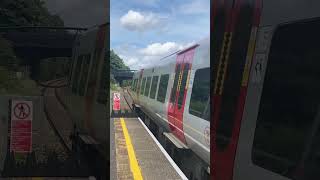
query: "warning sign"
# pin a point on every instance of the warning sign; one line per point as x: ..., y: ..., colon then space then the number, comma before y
x: 116, y: 101
x: 22, y: 110
x: 21, y: 126
x: 116, y: 96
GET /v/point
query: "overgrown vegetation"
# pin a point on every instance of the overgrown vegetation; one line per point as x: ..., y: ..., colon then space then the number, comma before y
x: 116, y: 63
x: 20, y: 13
x: 9, y: 70
x: 7, y: 56
x: 11, y: 85
x: 27, y: 13
x: 126, y: 83
x: 54, y: 68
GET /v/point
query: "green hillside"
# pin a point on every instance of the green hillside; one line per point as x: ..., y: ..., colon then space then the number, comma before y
x: 116, y: 63
x: 20, y: 13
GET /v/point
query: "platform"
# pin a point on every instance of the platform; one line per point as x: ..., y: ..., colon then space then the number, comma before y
x: 138, y: 154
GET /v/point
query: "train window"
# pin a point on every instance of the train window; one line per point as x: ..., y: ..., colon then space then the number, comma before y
x: 143, y: 84
x: 183, y: 84
x: 72, y: 63
x: 94, y: 68
x: 132, y: 84
x: 175, y: 84
x: 75, y: 82
x: 148, y: 83
x: 84, y: 74
x: 200, y: 95
x: 287, y: 134
x: 93, y: 74
x: 162, y: 90
x: 154, y: 87
x: 135, y: 84
x: 103, y: 93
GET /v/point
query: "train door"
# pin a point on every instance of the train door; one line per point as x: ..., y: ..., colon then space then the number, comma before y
x: 179, y: 91
x: 233, y: 44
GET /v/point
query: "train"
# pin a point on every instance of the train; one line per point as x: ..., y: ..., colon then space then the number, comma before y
x: 264, y: 111
x: 265, y: 90
x: 175, y: 94
x: 87, y: 94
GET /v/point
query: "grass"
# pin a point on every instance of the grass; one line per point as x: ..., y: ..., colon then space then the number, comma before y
x: 114, y: 87
x: 10, y: 85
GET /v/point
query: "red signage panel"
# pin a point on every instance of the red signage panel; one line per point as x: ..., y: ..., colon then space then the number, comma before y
x: 116, y: 101
x: 21, y: 126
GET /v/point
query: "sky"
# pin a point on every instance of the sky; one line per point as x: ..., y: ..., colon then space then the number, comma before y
x: 144, y: 31
x: 80, y: 13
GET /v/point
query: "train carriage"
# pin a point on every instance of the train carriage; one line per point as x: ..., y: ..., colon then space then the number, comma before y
x: 264, y: 91
x: 175, y: 95
x: 265, y: 120
x: 87, y: 95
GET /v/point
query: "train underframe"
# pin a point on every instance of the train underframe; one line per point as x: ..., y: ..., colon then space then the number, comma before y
x: 89, y: 153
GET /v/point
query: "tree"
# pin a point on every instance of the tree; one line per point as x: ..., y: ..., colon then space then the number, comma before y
x: 116, y: 63
x: 22, y: 13
x: 27, y: 13
x: 7, y: 56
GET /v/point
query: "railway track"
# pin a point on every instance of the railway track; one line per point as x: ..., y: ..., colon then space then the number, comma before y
x: 45, y: 90
x: 130, y: 106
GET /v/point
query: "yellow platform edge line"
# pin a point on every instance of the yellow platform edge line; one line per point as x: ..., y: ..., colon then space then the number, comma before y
x: 134, y: 166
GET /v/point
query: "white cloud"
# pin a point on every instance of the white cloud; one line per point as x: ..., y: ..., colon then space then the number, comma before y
x: 158, y: 49
x: 195, y: 7
x: 129, y: 61
x: 137, y: 21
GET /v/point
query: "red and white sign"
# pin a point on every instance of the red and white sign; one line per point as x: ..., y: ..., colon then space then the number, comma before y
x: 21, y: 126
x: 116, y: 101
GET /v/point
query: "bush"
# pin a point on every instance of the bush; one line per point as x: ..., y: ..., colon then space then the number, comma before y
x: 9, y: 84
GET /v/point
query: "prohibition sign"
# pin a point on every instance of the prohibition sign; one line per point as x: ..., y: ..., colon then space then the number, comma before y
x: 21, y: 110
x: 116, y: 97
